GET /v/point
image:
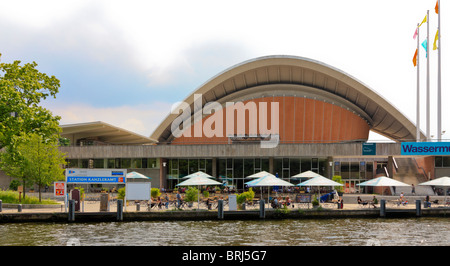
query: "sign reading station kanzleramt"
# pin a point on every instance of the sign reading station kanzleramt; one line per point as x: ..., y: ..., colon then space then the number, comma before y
x: 95, y: 176
x: 425, y: 148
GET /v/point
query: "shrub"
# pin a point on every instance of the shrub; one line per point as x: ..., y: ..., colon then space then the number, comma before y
x: 155, y: 192
x: 121, y: 193
x: 191, y: 194
x: 14, y: 185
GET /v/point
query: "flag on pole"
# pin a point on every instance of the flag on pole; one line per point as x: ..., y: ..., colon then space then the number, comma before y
x: 424, y: 45
x: 436, y: 8
x: 435, y: 40
x: 415, y: 33
x: 415, y: 58
x: 423, y: 21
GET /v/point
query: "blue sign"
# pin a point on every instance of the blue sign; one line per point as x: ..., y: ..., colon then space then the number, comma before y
x: 425, y: 148
x: 369, y: 149
x: 95, y: 179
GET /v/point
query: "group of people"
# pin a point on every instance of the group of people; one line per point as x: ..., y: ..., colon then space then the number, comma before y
x: 277, y: 202
x: 373, y: 202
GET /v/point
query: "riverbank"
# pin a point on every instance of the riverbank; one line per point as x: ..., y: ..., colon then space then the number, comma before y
x: 89, y: 212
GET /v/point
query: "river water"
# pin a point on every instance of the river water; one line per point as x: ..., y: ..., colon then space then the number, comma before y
x: 323, y: 232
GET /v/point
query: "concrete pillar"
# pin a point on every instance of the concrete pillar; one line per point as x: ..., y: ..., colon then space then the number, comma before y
x: 220, y: 209
x: 418, y: 208
x: 383, y: 208
x: 19, y: 208
x: 71, y: 210
x: 262, y: 209
x: 119, y: 210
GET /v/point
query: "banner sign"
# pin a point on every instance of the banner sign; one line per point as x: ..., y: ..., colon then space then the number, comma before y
x: 59, y: 189
x: 369, y: 149
x: 96, y: 176
x: 425, y: 148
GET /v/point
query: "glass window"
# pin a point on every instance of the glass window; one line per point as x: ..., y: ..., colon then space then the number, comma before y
x: 369, y: 170
x: 345, y: 170
x: 136, y: 163
x: 193, y: 166
x: 183, y: 167
x: 208, y: 166
x: 99, y: 163
x: 277, y: 166
x: 222, y: 168
x: 144, y: 162
x: 153, y: 163
x: 438, y: 161
x: 446, y: 161
x: 238, y: 168
x: 72, y: 163
x: 110, y: 163
x: 305, y: 164
x: 294, y: 166
x: 258, y: 163
x: 265, y: 165
x: 126, y: 162
x: 285, y: 163
x: 249, y: 167
x: 354, y: 170
x: 118, y: 163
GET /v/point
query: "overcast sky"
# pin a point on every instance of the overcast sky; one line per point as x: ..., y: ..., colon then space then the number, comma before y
x: 127, y: 62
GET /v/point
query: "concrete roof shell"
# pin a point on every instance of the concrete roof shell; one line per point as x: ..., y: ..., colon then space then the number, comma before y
x: 103, y: 131
x: 302, y: 77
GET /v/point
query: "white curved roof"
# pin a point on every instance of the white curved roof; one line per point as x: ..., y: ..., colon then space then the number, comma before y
x: 300, y: 77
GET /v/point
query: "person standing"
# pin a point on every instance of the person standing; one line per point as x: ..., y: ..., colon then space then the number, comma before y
x: 413, y: 189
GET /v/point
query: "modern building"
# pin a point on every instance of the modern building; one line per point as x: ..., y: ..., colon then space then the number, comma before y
x: 282, y: 114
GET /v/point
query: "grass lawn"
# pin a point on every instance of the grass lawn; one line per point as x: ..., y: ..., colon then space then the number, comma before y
x: 12, y: 197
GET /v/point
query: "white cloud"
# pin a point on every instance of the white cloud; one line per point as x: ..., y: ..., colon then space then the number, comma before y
x: 142, y: 119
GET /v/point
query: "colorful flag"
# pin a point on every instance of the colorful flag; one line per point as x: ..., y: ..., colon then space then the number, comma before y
x: 435, y: 40
x: 424, y: 45
x: 436, y: 8
x: 424, y: 20
x: 415, y: 33
x: 415, y: 58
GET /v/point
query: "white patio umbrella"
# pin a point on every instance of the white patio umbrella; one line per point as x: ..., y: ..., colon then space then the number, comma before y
x: 306, y: 174
x: 268, y: 180
x: 258, y: 175
x: 199, y: 173
x: 438, y: 182
x: 320, y: 181
x: 135, y: 175
x: 199, y: 181
x: 383, y: 181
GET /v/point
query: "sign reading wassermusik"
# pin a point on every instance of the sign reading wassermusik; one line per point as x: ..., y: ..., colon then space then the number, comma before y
x: 96, y: 176
x: 425, y: 148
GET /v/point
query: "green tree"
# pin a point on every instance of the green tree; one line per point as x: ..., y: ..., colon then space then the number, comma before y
x: 42, y: 160
x: 22, y: 88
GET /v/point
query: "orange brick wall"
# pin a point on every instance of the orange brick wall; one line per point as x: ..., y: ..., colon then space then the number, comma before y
x: 301, y: 120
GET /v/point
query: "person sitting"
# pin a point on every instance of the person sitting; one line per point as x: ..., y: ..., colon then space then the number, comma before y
x: 427, y: 203
x: 374, y: 202
x: 288, y: 202
x: 360, y: 201
x: 402, y: 200
x: 274, y: 203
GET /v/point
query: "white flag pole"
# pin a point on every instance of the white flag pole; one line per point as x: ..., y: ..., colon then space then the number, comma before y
x: 428, y: 75
x: 418, y: 88
x: 439, y: 129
